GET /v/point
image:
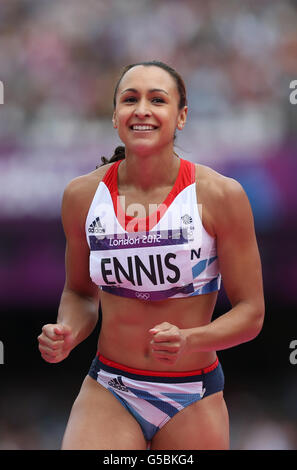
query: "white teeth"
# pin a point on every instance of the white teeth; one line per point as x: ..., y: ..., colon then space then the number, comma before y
x: 143, y: 128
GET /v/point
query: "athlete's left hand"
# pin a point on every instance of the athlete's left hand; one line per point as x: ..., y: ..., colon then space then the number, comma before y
x: 168, y: 342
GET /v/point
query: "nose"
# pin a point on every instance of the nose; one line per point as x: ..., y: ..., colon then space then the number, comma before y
x: 142, y: 109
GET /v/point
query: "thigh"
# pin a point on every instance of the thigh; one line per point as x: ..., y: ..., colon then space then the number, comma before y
x: 203, y: 425
x: 99, y: 421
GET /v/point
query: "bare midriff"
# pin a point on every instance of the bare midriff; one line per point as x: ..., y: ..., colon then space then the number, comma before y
x: 124, y: 337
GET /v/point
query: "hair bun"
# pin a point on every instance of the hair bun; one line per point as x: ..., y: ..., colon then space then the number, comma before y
x: 119, y: 154
x: 119, y: 150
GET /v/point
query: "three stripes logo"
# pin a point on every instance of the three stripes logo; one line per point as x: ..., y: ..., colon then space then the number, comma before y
x: 118, y: 384
x: 96, y: 226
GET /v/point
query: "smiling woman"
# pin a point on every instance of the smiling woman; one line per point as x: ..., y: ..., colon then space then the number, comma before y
x: 156, y: 379
x: 156, y: 97
x: 146, y: 118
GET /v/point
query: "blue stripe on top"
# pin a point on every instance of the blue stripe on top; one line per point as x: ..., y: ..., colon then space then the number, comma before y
x: 211, y: 286
x: 199, y: 267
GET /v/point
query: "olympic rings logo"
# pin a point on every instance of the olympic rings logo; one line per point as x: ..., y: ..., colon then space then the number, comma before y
x: 142, y: 295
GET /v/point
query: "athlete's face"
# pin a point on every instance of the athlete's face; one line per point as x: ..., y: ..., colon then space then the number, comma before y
x: 147, y: 112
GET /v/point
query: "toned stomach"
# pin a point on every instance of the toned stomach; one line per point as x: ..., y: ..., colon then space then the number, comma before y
x: 125, y: 337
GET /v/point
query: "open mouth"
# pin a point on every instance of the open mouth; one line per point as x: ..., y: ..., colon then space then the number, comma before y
x: 143, y: 127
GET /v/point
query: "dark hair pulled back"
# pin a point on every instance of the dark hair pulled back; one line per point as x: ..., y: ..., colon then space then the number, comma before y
x: 119, y: 153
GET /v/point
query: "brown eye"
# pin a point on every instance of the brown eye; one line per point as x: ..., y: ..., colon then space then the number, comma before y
x: 158, y: 100
x: 130, y: 99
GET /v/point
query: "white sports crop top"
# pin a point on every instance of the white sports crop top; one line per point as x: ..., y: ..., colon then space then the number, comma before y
x: 167, y: 254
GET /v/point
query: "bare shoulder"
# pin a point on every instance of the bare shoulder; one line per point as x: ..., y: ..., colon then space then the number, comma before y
x: 85, y: 184
x: 218, y: 186
x: 78, y: 195
x: 222, y: 197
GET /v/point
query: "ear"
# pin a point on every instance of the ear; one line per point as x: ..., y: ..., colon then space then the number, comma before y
x: 114, y: 120
x: 182, y: 117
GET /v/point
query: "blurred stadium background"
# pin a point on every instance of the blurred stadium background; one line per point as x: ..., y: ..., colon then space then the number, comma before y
x: 59, y: 61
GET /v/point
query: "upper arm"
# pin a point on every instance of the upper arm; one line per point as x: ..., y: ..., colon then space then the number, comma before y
x: 237, y: 247
x: 74, y: 209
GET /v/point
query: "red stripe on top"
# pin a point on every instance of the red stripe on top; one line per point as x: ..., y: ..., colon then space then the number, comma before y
x: 153, y: 373
x: 185, y: 177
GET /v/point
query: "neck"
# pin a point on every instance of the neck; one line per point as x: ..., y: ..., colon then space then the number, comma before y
x: 147, y: 172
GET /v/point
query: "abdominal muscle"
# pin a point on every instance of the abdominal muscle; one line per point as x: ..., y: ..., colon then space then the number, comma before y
x: 125, y: 337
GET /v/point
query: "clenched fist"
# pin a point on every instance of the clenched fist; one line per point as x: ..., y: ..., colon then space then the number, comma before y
x: 168, y: 342
x: 55, y: 342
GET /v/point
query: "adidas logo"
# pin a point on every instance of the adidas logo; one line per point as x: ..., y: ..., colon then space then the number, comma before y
x: 96, y: 227
x: 187, y: 219
x: 118, y: 384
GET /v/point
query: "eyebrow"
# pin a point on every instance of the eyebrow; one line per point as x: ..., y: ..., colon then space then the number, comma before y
x: 153, y: 90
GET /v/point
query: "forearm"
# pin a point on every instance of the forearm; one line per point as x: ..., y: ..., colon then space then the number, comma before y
x: 79, y: 312
x: 241, y: 324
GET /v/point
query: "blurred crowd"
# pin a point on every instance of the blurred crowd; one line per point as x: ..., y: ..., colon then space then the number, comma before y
x: 60, y: 60
x: 66, y: 54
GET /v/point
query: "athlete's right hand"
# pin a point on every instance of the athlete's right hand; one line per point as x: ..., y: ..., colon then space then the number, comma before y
x: 55, y: 342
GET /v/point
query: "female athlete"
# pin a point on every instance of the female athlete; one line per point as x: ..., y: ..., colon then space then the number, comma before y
x: 156, y: 233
